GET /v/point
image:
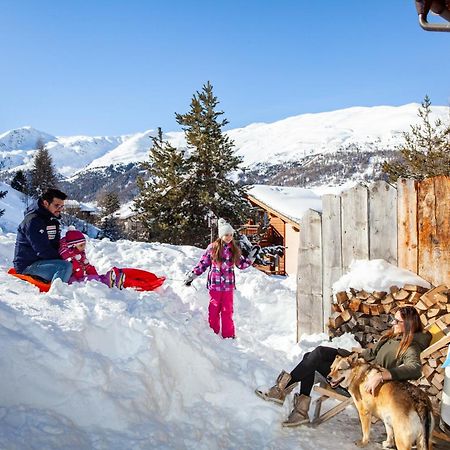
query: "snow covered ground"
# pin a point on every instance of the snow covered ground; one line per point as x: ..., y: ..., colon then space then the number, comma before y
x: 86, y: 367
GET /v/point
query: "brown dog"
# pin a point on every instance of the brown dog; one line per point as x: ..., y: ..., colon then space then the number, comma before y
x: 405, y: 409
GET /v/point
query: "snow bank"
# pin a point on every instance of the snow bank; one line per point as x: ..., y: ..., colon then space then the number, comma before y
x: 86, y: 367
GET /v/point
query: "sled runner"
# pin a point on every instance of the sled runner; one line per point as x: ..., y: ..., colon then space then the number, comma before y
x: 40, y: 284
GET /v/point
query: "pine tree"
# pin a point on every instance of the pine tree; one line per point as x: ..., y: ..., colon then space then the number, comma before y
x: 212, y: 161
x: 20, y: 183
x: 161, y: 201
x: 43, y: 175
x: 109, y: 204
x: 2, y: 193
x: 110, y: 228
x: 425, y: 151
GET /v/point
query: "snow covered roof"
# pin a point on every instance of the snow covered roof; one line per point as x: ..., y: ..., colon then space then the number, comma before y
x: 290, y: 202
x: 125, y: 211
x: 73, y: 204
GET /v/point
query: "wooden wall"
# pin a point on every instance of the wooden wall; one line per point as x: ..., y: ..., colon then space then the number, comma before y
x: 408, y: 226
x: 277, y: 223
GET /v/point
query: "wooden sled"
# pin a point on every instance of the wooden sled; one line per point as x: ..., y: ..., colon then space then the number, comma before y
x: 41, y: 285
x: 327, y: 392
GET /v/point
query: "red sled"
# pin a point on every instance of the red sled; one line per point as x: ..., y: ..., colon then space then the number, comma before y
x: 141, y: 280
x: 42, y: 285
x: 138, y: 279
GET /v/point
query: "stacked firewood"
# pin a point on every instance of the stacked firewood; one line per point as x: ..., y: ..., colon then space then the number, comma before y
x: 367, y: 315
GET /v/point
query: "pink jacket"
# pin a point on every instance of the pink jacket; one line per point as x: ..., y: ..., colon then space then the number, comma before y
x: 80, y: 263
x: 220, y: 275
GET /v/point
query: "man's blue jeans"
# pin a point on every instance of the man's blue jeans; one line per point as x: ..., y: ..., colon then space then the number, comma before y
x: 50, y: 269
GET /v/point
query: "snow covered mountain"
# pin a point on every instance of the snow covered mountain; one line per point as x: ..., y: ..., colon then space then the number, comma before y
x: 69, y: 154
x: 340, y: 144
x: 282, y: 141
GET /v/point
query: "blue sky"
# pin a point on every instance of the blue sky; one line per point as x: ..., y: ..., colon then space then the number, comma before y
x: 110, y: 67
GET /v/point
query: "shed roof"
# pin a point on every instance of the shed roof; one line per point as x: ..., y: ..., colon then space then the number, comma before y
x: 289, y: 203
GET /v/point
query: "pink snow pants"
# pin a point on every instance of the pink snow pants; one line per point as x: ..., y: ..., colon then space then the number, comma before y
x: 102, y: 278
x: 221, y: 306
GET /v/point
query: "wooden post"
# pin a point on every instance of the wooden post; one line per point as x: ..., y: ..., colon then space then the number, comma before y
x: 355, y: 233
x: 407, y: 224
x: 383, y: 222
x: 331, y: 250
x: 433, y: 203
x: 309, y: 283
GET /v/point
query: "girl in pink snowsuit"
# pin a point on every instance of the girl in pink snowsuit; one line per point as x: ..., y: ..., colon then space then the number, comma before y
x: 72, y: 248
x: 220, y: 257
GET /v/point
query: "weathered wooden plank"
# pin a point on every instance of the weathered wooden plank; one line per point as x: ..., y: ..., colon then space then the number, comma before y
x: 331, y: 248
x: 407, y: 224
x: 442, y: 189
x: 383, y: 222
x: 434, y: 229
x: 309, y: 283
x: 355, y: 233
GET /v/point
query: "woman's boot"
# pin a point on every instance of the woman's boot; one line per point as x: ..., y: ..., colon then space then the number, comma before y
x: 279, y: 391
x: 299, y: 414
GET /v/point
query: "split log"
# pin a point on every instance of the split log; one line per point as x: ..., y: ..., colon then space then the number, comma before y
x: 379, y: 295
x: 387, y: 300
x: 402, y: 294
x: 415, y: 288
x: 341, y: 297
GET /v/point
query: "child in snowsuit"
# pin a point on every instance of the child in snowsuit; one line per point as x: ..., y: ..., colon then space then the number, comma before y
x: 72, y: 248
x: 220, y: 257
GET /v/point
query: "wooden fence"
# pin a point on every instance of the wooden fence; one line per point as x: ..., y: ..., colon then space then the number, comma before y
x: 408, y: 226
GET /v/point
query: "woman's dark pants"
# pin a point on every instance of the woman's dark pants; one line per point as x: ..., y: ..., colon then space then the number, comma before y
x: 320, y: 360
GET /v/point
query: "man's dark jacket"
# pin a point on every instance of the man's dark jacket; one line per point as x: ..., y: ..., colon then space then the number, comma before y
x: 37, y: 237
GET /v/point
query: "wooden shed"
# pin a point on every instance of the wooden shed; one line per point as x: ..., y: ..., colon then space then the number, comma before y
x: 280, y: 208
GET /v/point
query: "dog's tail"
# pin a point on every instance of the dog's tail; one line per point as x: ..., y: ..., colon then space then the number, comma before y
x: 427, y: 434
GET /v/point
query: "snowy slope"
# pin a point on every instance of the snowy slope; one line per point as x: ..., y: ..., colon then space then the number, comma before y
x: 86, y: 367
x: 307, y: 134
x: 69, y: 154
x: 75, y: 152
x: 135, y: 149
x: 285, y: 140
x: 13, y: 205
x: 24, y: 138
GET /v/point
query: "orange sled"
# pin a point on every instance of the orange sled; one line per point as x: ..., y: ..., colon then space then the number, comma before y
x: 42, y: 285
x: 141, y: 280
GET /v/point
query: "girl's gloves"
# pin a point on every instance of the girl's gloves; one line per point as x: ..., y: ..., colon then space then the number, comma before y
x: 254, y: 253
x: 189, y: 278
